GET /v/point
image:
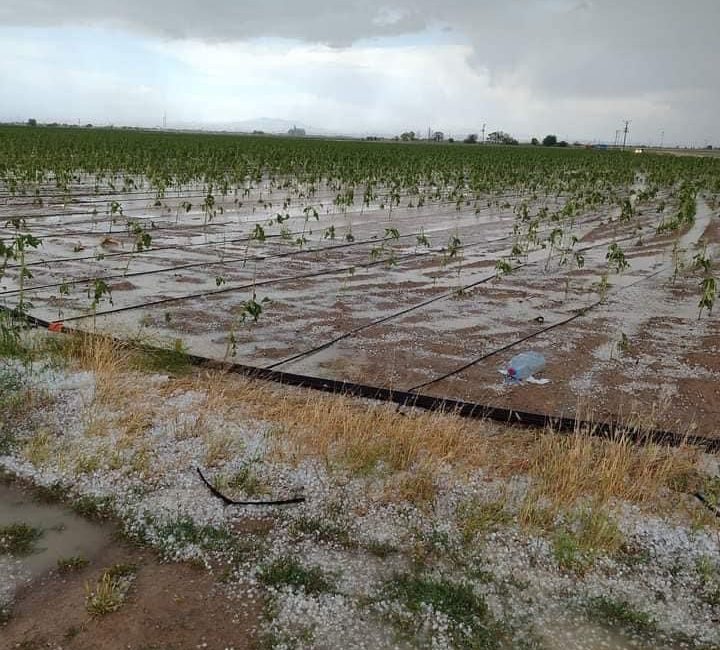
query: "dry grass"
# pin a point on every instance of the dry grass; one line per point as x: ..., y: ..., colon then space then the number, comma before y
x: 39, y: 448
x: 416, y: 486
x: 567, y: 467
x: 360, y: 437
x: 107, y: 359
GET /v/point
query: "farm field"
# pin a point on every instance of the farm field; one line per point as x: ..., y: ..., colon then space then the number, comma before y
x: 411, y: 267
x: 176, y: 505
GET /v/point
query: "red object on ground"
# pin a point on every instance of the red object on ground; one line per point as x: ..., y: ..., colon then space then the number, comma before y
x: 57, y: 326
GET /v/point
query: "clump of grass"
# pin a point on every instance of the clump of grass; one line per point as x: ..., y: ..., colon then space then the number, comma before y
x: 709, y: 574
x: 381, y: 549
x: 72, y: 563
x: 11, y: 381
x: 13, y: 341
x: 471, y: 623
x: 619, y: 612
x: 585, y: 535
x: 569, y: 553
x: 183, y: 532
x: 93, y: 507
x: 247, y: 481
x: 87, y: 463
x: 17, y: 401
x: 39, y: 449
x: 111, y: 590
x: 53, y: 493
x: 711, y: 491
x: 172, y: 359
x: 219, y: 448
x: 416, y: 486
x: 18, y: 539
x: 481, y: 517
x: 323, y: 529
x: 566, y: 468
x: 287, y: 571
x: 141, y: 461
x: 101, y: 355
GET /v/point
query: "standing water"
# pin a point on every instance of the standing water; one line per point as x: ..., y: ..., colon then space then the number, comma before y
x: 62, y: 533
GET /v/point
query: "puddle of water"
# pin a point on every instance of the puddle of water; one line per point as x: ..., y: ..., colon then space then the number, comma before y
x: 65, y: 534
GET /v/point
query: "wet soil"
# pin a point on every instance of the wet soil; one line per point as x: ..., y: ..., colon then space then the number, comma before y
x: 169, y: 606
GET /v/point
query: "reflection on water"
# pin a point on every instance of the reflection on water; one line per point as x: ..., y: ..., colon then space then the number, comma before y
x: 64, y: 534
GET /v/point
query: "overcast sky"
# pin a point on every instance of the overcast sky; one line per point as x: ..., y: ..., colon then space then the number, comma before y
x: 577, y: 68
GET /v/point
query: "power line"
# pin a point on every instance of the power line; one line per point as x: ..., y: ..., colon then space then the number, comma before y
x: 625, y: 133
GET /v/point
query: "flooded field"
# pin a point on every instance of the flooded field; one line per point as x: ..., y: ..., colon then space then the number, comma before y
x: 428, y: 287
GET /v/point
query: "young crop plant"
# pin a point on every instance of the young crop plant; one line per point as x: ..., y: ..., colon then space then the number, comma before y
x: 678, y: 261
x: 115, y: 210
x: 98, y: 291
x: 386, y: 247
x: 616, y: 258
x: 503, y: 267
x: 708, y: 284
x: 627, y: 211
x: 251, y: 308
x: 602, y: 287
x: 208, y: 206
x: 258, y: 233
x: 422, y: 239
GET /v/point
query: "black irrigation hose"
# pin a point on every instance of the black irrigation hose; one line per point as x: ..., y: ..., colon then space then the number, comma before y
x: 249, y: 202
x: 403, y: 312
x: 231, y: 502
x: 232, y: 260
x: 303, y: 276
x: 192, y: 245
x: 257, y: 283
x: 608, y: 429
x: 248, y: 222
x: 565, y: 321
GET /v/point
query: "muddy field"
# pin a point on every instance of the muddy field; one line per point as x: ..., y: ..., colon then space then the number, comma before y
x: 394, y: 296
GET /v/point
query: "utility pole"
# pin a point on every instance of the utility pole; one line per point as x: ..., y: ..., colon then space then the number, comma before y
x: 617, y: 136
x: 483, y: 133
x: 662, y: 138
x: 625, y: 133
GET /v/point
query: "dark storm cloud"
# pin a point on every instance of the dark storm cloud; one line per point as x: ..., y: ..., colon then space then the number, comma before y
x: 582, y: 64
x: 330, y: 21
x: 568, y: 47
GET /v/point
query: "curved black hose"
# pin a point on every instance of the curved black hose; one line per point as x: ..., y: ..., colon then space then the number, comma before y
x: 231, y: 502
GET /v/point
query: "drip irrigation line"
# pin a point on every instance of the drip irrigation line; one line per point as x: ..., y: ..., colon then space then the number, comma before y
x: 403, y: 312
x: 257, y: 283
x: 96, y: 200
x: 200, y: 244
x: 560, y: 323
x: 608, y: 429
x: 247, y: 222
x: 250, y: 202
x: 245, y: 259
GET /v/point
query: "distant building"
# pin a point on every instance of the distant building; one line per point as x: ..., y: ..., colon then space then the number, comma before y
x: 296, y: 133
x: 438, y: 136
